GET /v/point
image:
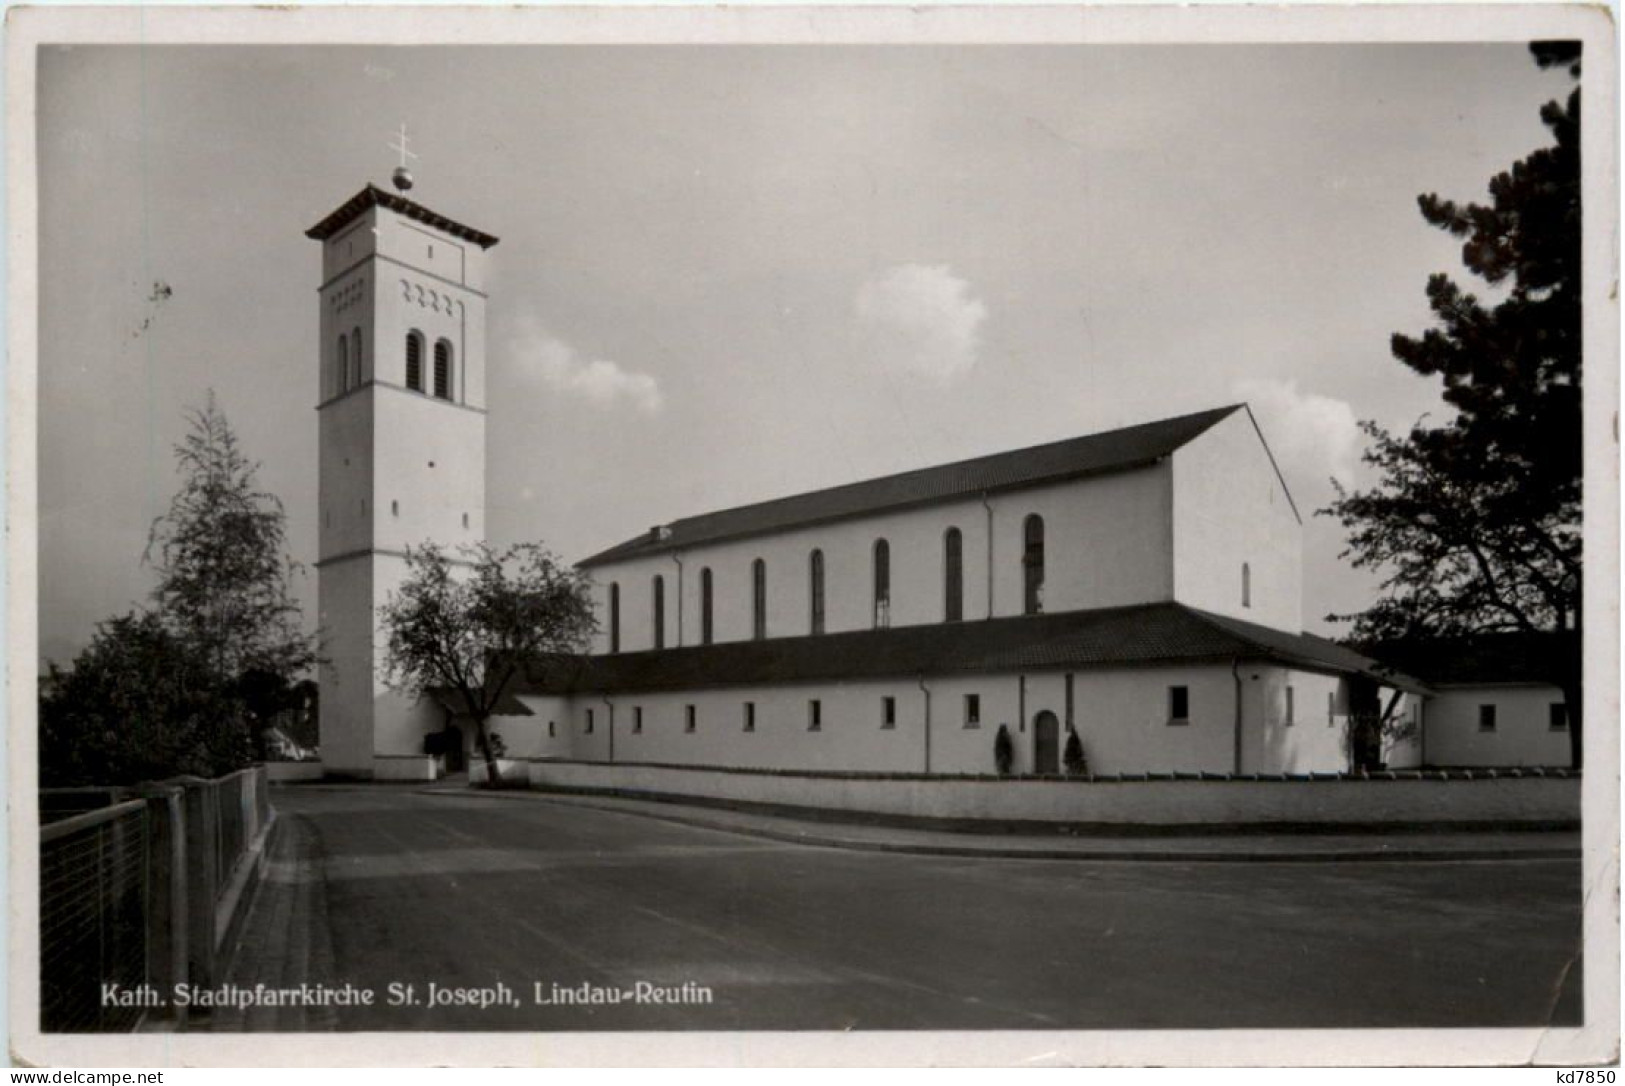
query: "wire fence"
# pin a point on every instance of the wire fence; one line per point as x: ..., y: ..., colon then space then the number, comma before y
x: 93, y: 918
x: 138, y: 892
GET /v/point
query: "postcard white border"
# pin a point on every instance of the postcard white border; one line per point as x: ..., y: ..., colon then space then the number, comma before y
x: 29, y: 27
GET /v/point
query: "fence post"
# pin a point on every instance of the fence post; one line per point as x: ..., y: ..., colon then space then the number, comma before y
x: 202, y: 824
x: 167, y: 931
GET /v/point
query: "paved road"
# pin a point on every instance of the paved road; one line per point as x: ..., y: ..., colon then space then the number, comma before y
x: 380, y: 886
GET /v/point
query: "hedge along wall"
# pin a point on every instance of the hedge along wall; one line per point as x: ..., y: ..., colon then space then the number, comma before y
x: 1331, y: 800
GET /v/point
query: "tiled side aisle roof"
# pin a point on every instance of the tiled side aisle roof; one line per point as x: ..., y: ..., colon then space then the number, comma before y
x: 1150, y: 634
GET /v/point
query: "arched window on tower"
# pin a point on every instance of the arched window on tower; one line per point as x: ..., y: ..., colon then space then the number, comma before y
x: 442, y: 369
x: 758, y: 599
x: 953, y: 576
x: 614, y: 617
x: 658, y: 593
x: 815, y: 590
x: 355, y: 358
x: 1246, y: 585
x: 705, y: 606
x: 882, y: 584
x: 343, y: 366
x: 1032, y: 565
x: 414, y: 360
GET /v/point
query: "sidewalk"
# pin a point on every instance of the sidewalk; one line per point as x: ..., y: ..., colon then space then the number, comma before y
x: 1231, y: 848
x: 284, y: 942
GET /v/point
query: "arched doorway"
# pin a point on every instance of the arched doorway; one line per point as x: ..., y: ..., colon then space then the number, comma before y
x: 1046, y: 743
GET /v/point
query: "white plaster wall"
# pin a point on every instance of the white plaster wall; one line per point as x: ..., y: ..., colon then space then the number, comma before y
x: 1522, y: 736
x: 1142, y: 803
x: 527, y: 736
x: 350, y: 246
x: 1121, y: 717
x: 1229, y: 507
x: 344, y: 476
x: 429, y: 471
x: 1107, y: 543
x: 1314, y: 741
x: 409, y: 241
x: 344, y: 592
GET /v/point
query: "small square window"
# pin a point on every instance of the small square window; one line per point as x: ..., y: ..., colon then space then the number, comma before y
x: 1486, y: 718
x: 750, y: 716
x: 637, y: 719
x: 1557, y: 716
x: 688, y: 718
x: 1179, y: 705
x: 815, y: 715
x: 888, y: 712
x: 589, y: 721
x: 973, y: 710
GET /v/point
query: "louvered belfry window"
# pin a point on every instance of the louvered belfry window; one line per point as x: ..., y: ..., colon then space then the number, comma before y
x: 442, y: 370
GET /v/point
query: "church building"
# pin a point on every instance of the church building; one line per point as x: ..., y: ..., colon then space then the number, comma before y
x: 1140, y: 587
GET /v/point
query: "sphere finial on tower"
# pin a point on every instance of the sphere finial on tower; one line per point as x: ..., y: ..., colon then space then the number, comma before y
x: 403, y: 176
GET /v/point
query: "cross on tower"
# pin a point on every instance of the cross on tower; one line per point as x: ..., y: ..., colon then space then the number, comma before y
x: 400, y: 145
x: 403, y: 176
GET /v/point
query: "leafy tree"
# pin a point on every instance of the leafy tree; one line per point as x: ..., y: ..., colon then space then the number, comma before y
x: 223, y: 571
x: 470, y: 632
x: 1475, y: 524
x: 139, y: 703
x: 179, y: 687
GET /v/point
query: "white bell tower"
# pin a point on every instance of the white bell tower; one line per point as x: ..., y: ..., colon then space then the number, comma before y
x: 402, y: 448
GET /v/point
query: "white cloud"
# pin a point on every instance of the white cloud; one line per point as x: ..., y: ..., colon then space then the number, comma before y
x: 1313, y: 437
x: 542, y: 356
x: 922, y: 319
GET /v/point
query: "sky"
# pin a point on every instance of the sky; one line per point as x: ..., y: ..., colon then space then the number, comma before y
x: 733, y: 273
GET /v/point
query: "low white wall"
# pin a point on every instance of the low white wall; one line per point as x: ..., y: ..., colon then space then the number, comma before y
x: 510, y: 769
x: 414, y: 768
x: 1150, y: 803
x: 281, y: 772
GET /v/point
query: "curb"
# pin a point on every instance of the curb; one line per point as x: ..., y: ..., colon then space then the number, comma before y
x: 983, y: 852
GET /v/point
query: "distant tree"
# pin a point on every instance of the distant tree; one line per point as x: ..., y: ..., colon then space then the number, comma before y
x: 1475, y: 524
x: 223, y: 569
x: 471, y: 631
x: 139, y: 703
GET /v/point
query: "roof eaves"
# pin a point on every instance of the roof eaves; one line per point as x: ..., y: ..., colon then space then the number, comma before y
x: 1303, y: 656
x: 372, y: 196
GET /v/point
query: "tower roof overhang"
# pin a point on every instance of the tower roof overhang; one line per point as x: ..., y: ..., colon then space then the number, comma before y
x: 373, y: 196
